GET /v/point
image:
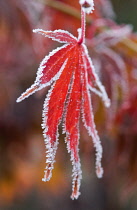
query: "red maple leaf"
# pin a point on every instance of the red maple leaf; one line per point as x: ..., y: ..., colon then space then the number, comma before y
x: 70, y: 71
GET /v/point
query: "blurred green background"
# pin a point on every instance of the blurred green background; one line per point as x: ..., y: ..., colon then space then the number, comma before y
x: 126, y: 11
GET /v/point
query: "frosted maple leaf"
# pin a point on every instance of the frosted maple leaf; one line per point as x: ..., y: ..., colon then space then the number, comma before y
x: 70, y: 71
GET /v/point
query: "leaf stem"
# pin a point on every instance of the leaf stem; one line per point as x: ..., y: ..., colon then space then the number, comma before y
x: 60, y: 6
x: 83, y: 27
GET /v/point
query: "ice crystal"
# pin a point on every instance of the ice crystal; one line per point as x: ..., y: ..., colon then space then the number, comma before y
x: 87, y: 5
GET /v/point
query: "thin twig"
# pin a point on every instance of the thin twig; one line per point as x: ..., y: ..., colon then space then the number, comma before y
x: 62, y: 7
x: 130, y: 44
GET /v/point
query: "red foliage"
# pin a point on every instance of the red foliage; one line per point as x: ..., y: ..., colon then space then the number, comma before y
x: 113, y: 49
x: 73, y: 74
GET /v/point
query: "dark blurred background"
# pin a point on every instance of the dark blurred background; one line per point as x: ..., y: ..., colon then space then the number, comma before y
x: 22, y: 150
x: 126, y: 11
